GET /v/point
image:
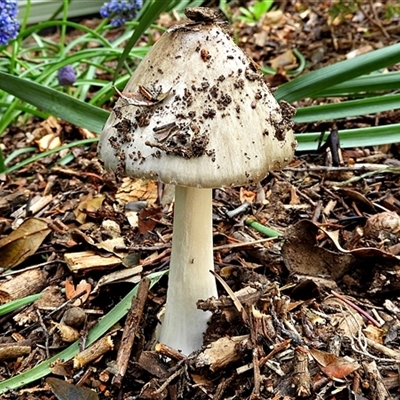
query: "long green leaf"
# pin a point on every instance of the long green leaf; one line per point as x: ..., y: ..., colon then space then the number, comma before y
x: 346, y: 109
x: 316, y: 81
x: 364, y: 84
x: 360, y: 137
x: 152, y: 12
x: 43, y: 369
x: 39, y: 156
x: 54, y: 102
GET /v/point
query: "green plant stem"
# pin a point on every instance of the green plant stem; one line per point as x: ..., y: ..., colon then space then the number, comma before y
x: 265, y: 230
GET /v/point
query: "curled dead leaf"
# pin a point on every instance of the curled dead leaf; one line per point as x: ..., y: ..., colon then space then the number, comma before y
x: 71, y: 291
x: 23, y: 242
x: 67, y: 391
x: 334, y: 367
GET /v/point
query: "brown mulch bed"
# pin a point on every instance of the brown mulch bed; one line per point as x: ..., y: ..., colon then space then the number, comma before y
x: 313, y: 313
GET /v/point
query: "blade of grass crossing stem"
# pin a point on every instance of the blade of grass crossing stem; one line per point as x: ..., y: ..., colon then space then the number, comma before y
x: 352, y: 108
x: 317, y: 81
x: 54, y: 102
x: 145, y: 20
x: 111, y: 318
x: 262, y: 228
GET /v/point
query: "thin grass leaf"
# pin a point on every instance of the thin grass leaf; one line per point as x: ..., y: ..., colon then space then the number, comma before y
x: 51, y: 24
x: 39, y: 156
x: 349, y: 138
x: 351, y: 108
x: 56, y: 103
x: 19, y: 152
x: 324, y: 78
x: 15, y: 304
x: 111, y: 318
x: 145, y: 20
x: 362, y: 85
x: 2, y: 162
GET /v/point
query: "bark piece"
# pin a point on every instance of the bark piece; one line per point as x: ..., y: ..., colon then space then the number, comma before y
x: 24, y: 284
x: 11, y: 351
x: 150, y: 361
x: 378, y: 388
x: 93, y: 352
x: 221, y: 353
x: 301, y: 376
x: 85, y: 261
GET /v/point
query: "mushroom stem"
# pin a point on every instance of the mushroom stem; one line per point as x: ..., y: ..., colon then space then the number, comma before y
x: 189, y: 277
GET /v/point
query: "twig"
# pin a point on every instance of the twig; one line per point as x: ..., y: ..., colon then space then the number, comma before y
x: 374, y: 20
x: 277, y: 349
x: 167, y: 351
x: 244, y: 244
x: 46, y: 333
x: 47, y: 316
x: 32, y: 267
x: 381, y: 393
x: 301, y: 374
x: 255, y: 353
x: 168, y: 381
x: 131, y: 330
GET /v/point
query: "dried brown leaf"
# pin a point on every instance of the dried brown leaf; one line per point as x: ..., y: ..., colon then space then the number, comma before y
x: 67, y: 391
x: 23, y: 242
x: 333, y: 366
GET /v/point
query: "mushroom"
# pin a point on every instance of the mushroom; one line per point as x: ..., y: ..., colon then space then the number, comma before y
x: 196, y: 113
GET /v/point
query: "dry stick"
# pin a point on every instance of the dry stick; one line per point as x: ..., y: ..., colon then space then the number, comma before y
x: 278, y: 348
x: 169, y: 352
x: 130, y: 330
x: 301, y: 374
x: 372, y: 371
x: 255, y: 354
x: 244, y: 244
x: 375, y: 20
x: 47, y: 316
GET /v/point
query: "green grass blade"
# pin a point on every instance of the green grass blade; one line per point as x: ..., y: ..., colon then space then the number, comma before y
x: 2, y: 162
x: 39, y: 156
x: 43, y: 369
x: 152, y: 12
x: 316, y: 81
x: 349, y: 138
x: 54, y: 102
x: 19, y: 152
x: 364, y: 84
x: 15, y: 304
x: 347, y: 109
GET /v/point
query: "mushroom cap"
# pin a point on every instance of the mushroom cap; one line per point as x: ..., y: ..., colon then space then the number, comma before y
x: 197, y: 112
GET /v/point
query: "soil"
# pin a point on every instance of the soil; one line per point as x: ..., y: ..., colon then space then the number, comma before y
x: 312, y: 313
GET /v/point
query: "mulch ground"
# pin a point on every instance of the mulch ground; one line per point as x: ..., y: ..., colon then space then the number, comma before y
x: 313, y: 313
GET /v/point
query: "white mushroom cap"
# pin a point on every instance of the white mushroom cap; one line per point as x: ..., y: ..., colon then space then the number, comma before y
x: 196, y: 112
